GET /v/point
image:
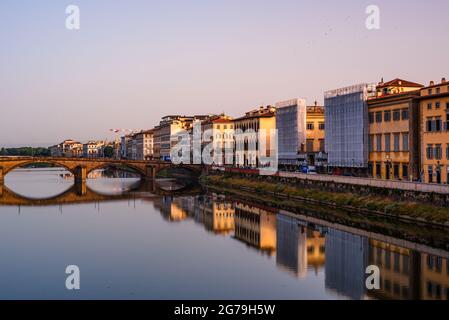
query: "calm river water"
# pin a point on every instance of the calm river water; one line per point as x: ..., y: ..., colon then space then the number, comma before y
x: 131, y: 244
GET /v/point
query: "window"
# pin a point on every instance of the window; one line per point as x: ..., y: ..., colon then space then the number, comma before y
x: 396, y: 170
x: 378, y: 142
x: 405, y: 115
x: 437, y: 105
x: 321, y: 126
x: 378, y: 170
x: 310, y: 125
x: 378, y: 116
x: 218, y: 126
x: 447, y: 151
x: 309, y: 145
x: 429, y: 151
x: 396, y: 115
x: 430, y: 91
x: 321, y: 145
x: 429, y: 125
x: 371, y: 117
x: 225, y: 126
x: 387, y: 142
x: 438, y: 152
x: 447, y: 105
x: 405, y: 146
x: 438, y: 90
x: 438, y: 124
x: 371, y: 143
x: 396, y: 142
x: 429, y: 106
x: 405, y: 171
x: 387, y: 116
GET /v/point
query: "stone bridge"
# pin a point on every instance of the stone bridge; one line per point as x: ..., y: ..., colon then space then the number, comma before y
x: 81, y: 167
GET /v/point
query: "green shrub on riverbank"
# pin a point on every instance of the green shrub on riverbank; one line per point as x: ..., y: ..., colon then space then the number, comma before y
x: 371, y: 203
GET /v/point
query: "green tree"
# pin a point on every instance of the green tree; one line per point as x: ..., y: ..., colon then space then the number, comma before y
x: 108, y: 152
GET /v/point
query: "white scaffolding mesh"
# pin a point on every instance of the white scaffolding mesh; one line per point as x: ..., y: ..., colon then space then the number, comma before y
x: 291, y: 126
x: 346, y: 122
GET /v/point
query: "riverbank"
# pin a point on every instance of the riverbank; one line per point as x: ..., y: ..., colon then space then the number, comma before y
x: 259, y: 189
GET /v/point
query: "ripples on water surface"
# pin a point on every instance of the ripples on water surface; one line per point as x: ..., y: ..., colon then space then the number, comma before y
x: 193, y: 247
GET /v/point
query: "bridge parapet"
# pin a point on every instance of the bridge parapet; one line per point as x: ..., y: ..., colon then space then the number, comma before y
x: 81, y: 167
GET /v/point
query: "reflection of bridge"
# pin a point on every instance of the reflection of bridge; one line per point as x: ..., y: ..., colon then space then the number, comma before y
x: 81, y: 167
x: 80, y: 193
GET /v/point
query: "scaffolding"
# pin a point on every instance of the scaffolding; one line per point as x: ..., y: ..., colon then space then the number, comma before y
x: 291, y: 128
x: 346, y: 123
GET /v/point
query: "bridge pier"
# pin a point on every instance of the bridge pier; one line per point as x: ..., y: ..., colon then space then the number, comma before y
x: 150, y: 173
x: 81, y: 189
x: 80, y: 175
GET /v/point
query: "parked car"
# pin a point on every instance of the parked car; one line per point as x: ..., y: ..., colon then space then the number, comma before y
x: 308, y: 169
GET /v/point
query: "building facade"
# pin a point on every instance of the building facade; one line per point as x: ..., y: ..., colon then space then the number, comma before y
x: 434, y: 133
x: 314, y: 153
x: 346, y: 123
x: 393, y: 117
x: 220, y: 137
x: 247, y: 146
x: 93, y: 149
x: 68, y: 149
x: 144, y: 145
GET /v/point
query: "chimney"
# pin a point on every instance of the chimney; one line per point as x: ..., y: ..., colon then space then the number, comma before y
x: 432, y: 83
x: 443, y: 80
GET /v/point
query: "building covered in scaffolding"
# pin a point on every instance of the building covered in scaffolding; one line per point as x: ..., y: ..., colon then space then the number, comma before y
x: 346, y: 122
x: 291, y: 128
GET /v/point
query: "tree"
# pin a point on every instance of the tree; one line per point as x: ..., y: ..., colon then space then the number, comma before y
x: 108, y: 152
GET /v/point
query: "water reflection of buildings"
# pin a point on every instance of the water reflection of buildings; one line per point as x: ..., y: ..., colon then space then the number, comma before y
x: 298, y: 246
x: 409, y: 274
x: 171, y: 209
x: 217, y: 215
x: 346, y: 261
x: 303, y: 245
x: 256, y: 227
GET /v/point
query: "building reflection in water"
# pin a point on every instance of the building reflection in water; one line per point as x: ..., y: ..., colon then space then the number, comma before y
x: 409, y: 274
x: 217, y: 215
x: 256, y: 227
x: 346, y: 262
x: 299, y: 247
x: 303, y: 248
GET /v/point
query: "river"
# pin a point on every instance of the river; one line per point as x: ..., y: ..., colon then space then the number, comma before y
x: 131, y: 243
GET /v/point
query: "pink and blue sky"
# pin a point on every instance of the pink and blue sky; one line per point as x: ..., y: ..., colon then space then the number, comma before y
x: 135, y: 61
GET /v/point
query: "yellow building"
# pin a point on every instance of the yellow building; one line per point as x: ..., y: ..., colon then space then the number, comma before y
x: 256, y: 227
x: 398, y: 268
x: 221, y: 131
x: 434, y: 277
x: 434, y: 116
x: 394, y: 131
x: 256, y: 120
x: 217, y: 216
x: 316, y: 249
x: 314, y: 148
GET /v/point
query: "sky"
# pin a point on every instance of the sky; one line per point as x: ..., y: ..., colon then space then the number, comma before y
x: 133, y: 61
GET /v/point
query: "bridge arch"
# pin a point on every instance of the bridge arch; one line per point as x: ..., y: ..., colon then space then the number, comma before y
x: 23, y: 163
x: 137, y: 169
